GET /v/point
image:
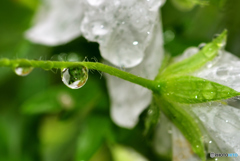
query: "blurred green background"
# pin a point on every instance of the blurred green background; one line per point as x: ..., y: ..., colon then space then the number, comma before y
x: 43, y: 120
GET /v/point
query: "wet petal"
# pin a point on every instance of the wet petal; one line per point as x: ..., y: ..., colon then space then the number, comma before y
x: 222, y: 123
x: 128, y: 100
x: 56, y: 22
x: 122, y: 28
x: 182, y: 150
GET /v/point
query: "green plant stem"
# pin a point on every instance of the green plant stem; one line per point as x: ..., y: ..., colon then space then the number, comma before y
x: 48, y: 65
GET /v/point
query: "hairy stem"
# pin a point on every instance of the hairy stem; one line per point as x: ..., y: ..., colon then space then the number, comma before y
x: 48, y: 65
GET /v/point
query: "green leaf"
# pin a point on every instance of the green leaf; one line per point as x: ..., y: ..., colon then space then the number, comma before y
x: 91, y: 137
x: 185, y: 123
x: 152, y: 118
x: 190, y: 89
x: 198, y: 60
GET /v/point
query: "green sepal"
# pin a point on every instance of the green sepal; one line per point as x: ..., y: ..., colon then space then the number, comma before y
x: 190, y: 90
x: 196, y: 61
x: 184, y: 122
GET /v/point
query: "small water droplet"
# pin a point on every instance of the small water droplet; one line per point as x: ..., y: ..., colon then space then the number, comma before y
x: 75, y: 77
x: 210, y: 142
x: 168, y: 36
x: 135, y: 42
x: 201, y: 46
x: 150, y: 112
x: 222, y: 71
x: 159, y: 86
x: 203, y: 117
x: 148, y: 33
x: 23, y: 71
x: 197, y: 146
x: 196, y: 96
x: 73, y: 57
x: 95, y: 2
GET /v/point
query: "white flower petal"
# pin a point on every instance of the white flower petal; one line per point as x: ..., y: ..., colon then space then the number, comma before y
x: 56, y: 22
x: 186, y: 54
x: 163, y: 137
x: 128, y: 100
x: 123, y: 28
x: 182, y: 150
x: 222, y: 123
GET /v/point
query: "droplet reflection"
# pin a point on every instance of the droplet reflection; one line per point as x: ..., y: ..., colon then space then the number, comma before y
x: 75, y: 78
x: 23, y: 71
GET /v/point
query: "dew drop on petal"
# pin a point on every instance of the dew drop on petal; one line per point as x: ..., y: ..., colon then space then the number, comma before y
x: 201, y: 46
x: 23, y: 71
x: 222, y: 71
x: 75, y: 78
x: 135, y: 43
x: 95, y: 2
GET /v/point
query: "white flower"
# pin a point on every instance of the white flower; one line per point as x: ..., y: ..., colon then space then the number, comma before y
x: 130, y: 37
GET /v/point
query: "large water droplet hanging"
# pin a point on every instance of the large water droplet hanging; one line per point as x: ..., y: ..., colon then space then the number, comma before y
x: 75, y: 77
x: 23, y: 71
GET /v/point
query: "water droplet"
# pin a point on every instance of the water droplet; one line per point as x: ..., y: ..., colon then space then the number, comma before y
x: 75, y: 77
x: 209, y: 91
x: 95, y: 2
x: 150, y: 112
x: 159, y: 86
x: 215, y: 36
x: 148, y: 33
x: 210, y: 142
x: 72, y: 57
x: 203, y: 117
x: 135, y: 42
x: 98, y: 28
x: 23, y: 71
x: 222, y: 71
x: 201, y: 46
x: 168, y: 36
x: 197, y: 146
x: 196, y: 96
